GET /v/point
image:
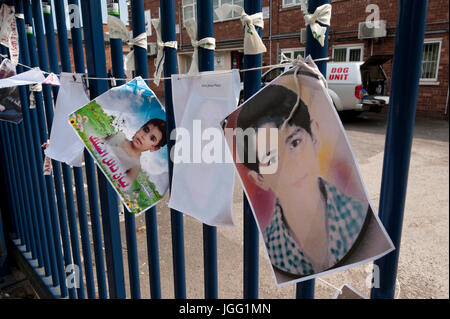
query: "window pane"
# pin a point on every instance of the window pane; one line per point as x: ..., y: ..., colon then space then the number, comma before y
x: 288, y: 54
x: 297, y: 53
x: 215, y: 6
x: 239, y: 3
x: 188, y: 12
x: 429, y: 61
x: 340, y: 55
x: 229, y: 2
x: 287, y: 2
x: 355, y: 55
x: 272, y: 74
x: 186, y: 2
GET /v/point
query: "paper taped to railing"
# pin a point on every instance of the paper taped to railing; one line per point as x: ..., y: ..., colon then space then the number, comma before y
x: 65, y: 146
x: 203, y: 174
x: 32, y: 76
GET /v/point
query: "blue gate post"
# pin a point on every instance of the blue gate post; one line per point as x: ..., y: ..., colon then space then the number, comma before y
x: 141, y: 65
x: 252, y: 84
x: 176, y: 218
x: 130, y: 222
x: 67, y: 174
x: 78, y: 58
x: 206, y: 63
x: 96, y: 62
x: 78, y: 174
x: 406, y: 68
x: 305, y: 290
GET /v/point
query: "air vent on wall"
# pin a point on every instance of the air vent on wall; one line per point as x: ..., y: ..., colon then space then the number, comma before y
x: 372, y: 29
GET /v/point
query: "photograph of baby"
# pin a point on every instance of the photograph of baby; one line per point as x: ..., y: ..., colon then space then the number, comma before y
x: 125, y: 131
x: 10, y: 107
x: 302, y: 180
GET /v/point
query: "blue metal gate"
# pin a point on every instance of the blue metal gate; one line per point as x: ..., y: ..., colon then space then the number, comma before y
x: 39, y: 213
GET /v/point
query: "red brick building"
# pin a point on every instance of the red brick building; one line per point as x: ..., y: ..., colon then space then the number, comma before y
x: 283, y: 22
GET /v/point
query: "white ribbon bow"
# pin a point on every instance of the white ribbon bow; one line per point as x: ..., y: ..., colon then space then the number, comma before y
x: 117, y: 30
x: 322, y: 15
x: 253, y: 44
x: 159, y: 61
x: 206, y: 43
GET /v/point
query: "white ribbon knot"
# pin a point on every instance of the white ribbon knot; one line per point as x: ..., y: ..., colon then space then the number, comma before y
x: 118, y: 30
x: 159, y: 61
x: 206, y: 43
x: 322, y: 15
x: 253, y: 43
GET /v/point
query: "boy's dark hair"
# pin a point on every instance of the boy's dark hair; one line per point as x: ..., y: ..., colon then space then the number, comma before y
x: 162, y: 126
x: 272, y: 105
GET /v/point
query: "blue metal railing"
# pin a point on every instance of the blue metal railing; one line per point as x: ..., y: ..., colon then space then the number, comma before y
x: 46, y: 224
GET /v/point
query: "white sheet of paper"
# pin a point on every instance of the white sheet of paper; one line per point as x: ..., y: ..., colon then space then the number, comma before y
x: 65, y: 146
x: 200, y: 189
x: 29, y: 77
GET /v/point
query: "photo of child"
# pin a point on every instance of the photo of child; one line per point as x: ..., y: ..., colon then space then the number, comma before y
x: 303, y: 186
x: 125, y: 131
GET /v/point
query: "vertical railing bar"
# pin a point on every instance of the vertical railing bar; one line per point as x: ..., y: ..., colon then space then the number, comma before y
x: 20, y: 185
x: 67, y: 174
x: 11, y: 193
x: 252, y: 83
x: 32, y: 166
x: 16, y: 204
x: 206, y: 63
x: 176, y: 218
x: 96, y: 62
x: 130, y: 222
x: 27, y: 221
x: 78, y: 58
x: 32, y: 205
x: 11, y: 174
x: 406, y: 69
x: 33, y: 133
x: 9, y: 197
x: 10, y: 181
x: 51, y: 214
x: 28, y: 48
x: 53, y: 222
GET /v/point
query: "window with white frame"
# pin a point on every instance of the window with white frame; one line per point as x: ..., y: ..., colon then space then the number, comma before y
x: 291, y: 3
x: 430, y: 60
x: 293, y: 53
x: 232, y: 15
x: 189, y: 9
x: 348, y: 53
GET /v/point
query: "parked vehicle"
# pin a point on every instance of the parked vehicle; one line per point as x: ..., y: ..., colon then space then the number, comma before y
x: 354, y: 87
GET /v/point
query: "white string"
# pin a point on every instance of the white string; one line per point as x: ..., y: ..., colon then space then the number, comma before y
x: 329, y: 284
x: 168, y: 78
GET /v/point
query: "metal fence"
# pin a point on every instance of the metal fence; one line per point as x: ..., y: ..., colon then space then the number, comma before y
x: 46, y: 216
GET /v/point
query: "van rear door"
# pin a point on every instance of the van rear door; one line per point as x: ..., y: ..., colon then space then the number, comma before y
x: 373, y: 76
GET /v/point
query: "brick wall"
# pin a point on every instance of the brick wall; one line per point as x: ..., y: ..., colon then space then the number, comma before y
x: 346, y: 14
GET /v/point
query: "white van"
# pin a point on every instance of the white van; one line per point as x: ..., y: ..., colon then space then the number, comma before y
x: 358, y: 86
x: 353, y: 86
